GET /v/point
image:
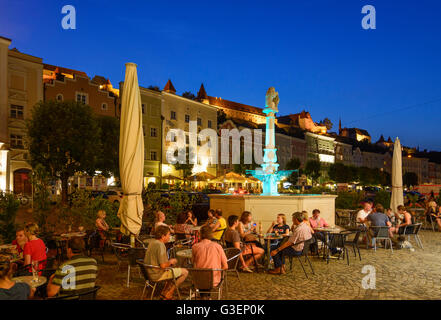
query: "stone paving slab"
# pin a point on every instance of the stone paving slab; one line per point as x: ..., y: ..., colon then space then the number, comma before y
x: 399, y: 275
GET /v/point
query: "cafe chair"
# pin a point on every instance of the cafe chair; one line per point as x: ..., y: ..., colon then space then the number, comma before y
x: 149, y: 282
x: 202, y: 282
x: 354, y: 241
x: 381, y: 233
x: 305, y: 252
x: 233, y: 257
x: 86, y: 294
x: 413, y: 230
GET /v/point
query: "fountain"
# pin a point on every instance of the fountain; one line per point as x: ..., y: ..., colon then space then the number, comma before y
x: 268, y: 173
x: 267, y: 205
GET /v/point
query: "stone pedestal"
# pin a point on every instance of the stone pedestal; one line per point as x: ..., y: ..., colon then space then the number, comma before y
x: 266, y: 208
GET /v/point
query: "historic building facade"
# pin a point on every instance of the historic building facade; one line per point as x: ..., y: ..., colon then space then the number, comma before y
x: 20, y: 89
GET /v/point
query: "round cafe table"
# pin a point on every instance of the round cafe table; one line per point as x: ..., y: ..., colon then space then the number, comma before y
x: 73, y: 234
x: 29, y: 280
x: 327, y: 231
x: 185, y: 255
x: 268, y: 237
x: 7, y: 247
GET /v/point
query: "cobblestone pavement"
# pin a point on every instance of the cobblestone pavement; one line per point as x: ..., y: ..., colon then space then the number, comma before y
x: 399, y: 275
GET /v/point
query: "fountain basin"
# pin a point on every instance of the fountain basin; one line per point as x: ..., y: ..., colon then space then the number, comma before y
x: 266, y: 208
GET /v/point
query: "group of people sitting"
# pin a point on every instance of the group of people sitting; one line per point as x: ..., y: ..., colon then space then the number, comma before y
x: 397, y: 222
x: 76, y: 274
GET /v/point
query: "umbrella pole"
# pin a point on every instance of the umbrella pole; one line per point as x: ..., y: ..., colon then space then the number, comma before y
x: 132, y: 240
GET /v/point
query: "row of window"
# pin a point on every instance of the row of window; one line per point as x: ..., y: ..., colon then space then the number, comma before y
x: 187, y: 119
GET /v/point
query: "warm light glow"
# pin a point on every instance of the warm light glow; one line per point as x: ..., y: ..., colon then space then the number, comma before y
x: 326, y: 158
x: 166, y: 169
x: 3, y: 168
x: 110, y: 180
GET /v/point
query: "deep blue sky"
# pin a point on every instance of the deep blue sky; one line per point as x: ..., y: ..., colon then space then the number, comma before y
x: 313, y: 52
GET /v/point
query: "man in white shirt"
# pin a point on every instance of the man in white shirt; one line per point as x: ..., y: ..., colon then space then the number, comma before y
x: 363, y: 213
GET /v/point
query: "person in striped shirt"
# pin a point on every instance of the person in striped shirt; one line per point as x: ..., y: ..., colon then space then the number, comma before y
x: 75, y: 275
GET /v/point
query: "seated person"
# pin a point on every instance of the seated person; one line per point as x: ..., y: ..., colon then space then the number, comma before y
x: 20, y: 240
x: 209, y: 254
x: 246, y: 226
x: 363, y: 213
x: 102, y: 226
x: 156, y: 255
x: 232, y: 239
x: 278, y: 227
x: 211, y: 219
x: 34, y: 249
x: 77, y: 274
x: 408, y: 219
x: 316, y: 221
x: 437, y: 217
x: 159, y: 221
x: 10, y: 290
x: 220, y: 226
x: 181, y: 228
x: 294, y: 245
x: 191, y: 219
x: 378, y: 219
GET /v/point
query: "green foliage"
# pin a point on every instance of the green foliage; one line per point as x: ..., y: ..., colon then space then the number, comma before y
x: 340, y: 173
x: 313, y: 169
x: 221, y: 116
x: 348, y: 200
x: 8, y: 211
x: 189, y: 95
x: 42, y: 205
x: 410, y: 179
x: 383, y: 197
x: 108, y: 157
x: 318, y: 190
x: 84, y: 210
x: 64, y: 138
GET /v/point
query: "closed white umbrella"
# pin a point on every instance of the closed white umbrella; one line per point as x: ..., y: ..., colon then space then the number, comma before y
x: 397, y: 178
x: 131, y: 155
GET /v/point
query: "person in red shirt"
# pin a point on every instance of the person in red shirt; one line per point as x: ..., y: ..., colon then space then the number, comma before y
x: 20, y: 240
x: 34, y: 249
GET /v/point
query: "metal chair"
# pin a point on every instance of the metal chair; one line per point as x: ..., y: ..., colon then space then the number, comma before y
x: 381, y: 233
x: 121, y: 251
x: 202, y: 282
x: 133, y: 255
x: 149, y: 282
x: 221, y: 241
x: 338, y: 240
x: 354, y: 241
x: 413, y: 230
x: 233, y: 255
x: 305, y: 252
x: 87, y: 294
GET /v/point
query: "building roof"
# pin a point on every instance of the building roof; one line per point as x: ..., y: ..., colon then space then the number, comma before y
x: 293, y: 119
x: 169, y: 87
x: 234, y: 105
x: 202, y: 94
x: 64, y: 70
x: 357, y: 131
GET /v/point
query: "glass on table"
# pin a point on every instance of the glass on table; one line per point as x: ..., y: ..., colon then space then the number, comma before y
x: 35, y: 271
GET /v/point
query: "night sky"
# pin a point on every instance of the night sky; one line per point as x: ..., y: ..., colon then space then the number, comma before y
x: 315, y: 53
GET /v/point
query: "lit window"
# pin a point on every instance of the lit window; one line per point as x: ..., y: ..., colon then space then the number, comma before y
x: 16, y: 111
x: 153, y: 132
x: 17, y: 141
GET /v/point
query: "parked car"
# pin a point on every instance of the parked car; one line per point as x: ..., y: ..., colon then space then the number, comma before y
x: 114, y: 196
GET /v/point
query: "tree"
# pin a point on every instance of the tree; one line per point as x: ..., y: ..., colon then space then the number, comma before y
x: 410, y: 179
x: 154, y: 88
x: 64, y: 138
x: 189, y: 95
x: 313, y: 169
x: 326, y: 122
x: 293, y: 164
x: 221, y: 116
x: 108, y: 158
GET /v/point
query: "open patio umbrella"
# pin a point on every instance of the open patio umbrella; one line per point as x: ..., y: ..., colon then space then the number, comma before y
x: 230, y: 177
x: 131, y: 155
x: 201, y: 176
x: 170, y: 177
x: 397, y: 178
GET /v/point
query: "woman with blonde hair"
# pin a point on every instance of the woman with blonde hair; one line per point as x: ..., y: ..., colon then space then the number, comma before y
x: 102, y: 226
x: 34, y: 250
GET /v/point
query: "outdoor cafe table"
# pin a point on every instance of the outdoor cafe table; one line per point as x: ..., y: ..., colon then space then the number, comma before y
x: 72, y: 235
x: 29, y: 280
x: 268, y: 237
x: 327, y: 231
x: 185, y: 254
